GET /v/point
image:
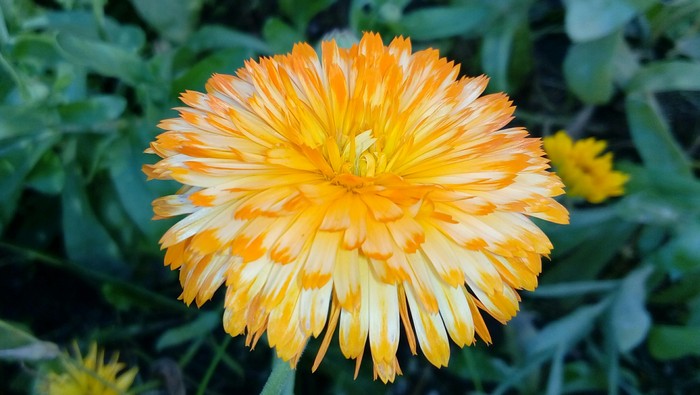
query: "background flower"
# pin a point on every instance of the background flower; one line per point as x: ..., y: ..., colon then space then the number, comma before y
x: 89, y: 375
x: 583, y: 168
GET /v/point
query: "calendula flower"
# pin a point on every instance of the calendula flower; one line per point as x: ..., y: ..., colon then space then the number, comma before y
x: 89, y: 375
x: 585, y: 173
x: 360, y: 189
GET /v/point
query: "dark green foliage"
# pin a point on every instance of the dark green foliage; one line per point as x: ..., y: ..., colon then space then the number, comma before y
x: 83, y: 84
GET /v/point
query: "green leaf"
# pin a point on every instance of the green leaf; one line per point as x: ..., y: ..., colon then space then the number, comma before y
x: 280, y: 36
x: 70, y: 84
x: 652, y: 136
x: 12, y: 336
x: 84, y: 24
x: 589, y: 68
x: 476, y: 365
x: 583, y: 377
x: 105, y: 59
x: 521, y: 57
x: 38, y: 47
x: 18, y: 156
x: 584, y: 224
x: 374, y: 15
x: 130, y: 38
x: 224, y: 61
x: 588, y: 20
x: 301, y: 12
x: 48, y: 175
x: 16, y: 344
x: 94, y: 110
x: 432, y: 23
x: 649, y: 208
x: 520, y: 375
x: 220, y: 37
x: 86, y: 241
x: 672, y: 342
x: 573, y: 288
x: 506, y: 55
x: 629, y: 318
x: 659, y: 196
x: 133, y: 191
x: 33, y: 352
x: 689, y: 46
x: 567, y: 331
x: 650, y: 238
x: 667, y: 184
x: 679, y: 292
x: 578, y: 245
x: 203, y: 325
x: 16, y: 121
x: 672, y: 20
x: 171, y: 18
x: 667, y: 76
x: 591, y: 257
x: 495, y: 55
x: 625, y: 64
x: 682, y: 253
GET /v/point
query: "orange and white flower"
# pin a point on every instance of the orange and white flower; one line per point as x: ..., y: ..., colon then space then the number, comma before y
x: 363, y: 189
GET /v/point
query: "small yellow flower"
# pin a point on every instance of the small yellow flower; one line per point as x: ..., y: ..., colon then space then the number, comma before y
x: 583, y: 171
x: 362, y: 189
x: 89, y: 375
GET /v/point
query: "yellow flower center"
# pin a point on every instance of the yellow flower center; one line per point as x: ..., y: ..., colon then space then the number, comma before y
x: 362, y: 161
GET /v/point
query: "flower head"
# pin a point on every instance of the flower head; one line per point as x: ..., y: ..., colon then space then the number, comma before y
x: 583, y: 171
x: 89, y: 375
x: 363, y: 189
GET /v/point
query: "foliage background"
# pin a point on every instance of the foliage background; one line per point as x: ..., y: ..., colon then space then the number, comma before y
x: 84, y: 82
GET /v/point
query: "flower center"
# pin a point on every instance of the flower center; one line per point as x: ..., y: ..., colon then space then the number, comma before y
x: 362, y: 160
x: 369, y: 163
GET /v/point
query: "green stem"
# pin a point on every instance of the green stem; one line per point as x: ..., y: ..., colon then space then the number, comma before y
x: 613, y: 357
x: 281, y: 380
x: 554, y: 383
x: 191, y: 351
x: 212, y: 366
x: 577, y: 125
x: 471, y: 366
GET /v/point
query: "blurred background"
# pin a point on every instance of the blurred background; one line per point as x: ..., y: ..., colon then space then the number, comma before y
x: 83, y: 84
